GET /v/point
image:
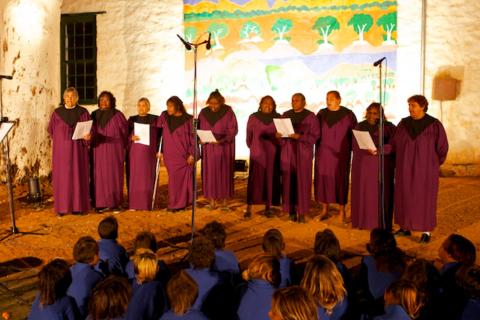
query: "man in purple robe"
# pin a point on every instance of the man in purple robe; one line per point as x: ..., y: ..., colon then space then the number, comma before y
x: 332, y: 154
x: 296, y: 159
x: 264, y: 175
x: 110, y: 133
x: 178, y: 149
x: 142, y: 159
x: 421, y: 146
x: 70, y: 160
x: 218, y: 159
x: 365, y: 201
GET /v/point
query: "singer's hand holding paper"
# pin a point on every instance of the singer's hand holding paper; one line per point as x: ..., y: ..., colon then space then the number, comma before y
x: 82, y: 129
x: 284, y: 127
x: 142, y: 131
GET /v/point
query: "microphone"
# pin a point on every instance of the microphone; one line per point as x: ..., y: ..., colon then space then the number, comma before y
x: 187, y: 45
x: 376, y: 63
x: 209, y: 43
x: 6, y: 77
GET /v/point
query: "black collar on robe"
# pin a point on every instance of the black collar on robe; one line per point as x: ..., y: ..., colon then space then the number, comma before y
x: 70, y: 116
x: 365, y: 126
x: 102, y: 117
x: 266, y: 118
x: 148, y: 119
x: 332, y: 117
x: 416, y: 127
x: 174, y: 122
x: 297, y: 117
x: 213, y: 117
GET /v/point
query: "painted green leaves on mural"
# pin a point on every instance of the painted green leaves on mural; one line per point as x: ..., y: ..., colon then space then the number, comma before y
x: 389, y: 24
x: 325, y: 26
x: 190, y: 33
x: 218, y: 31
x: 361, y: 23
x: 249, y: 29
x: 282, y: 26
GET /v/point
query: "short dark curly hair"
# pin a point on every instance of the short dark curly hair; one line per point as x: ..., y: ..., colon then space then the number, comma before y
x: 110, y: 96
x: 85, y: 250
x: 202, y: 253
x: 215, y: 232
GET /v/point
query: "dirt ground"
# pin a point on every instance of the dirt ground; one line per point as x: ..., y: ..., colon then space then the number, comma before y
x: 47, y: 236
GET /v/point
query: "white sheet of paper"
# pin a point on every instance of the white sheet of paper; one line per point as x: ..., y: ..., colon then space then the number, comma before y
x: 364, y: 140
x: 82, y: 128
x: 284, y: 126
x: 143, y: 132
x: 4, y: 129
x: 206, y: 136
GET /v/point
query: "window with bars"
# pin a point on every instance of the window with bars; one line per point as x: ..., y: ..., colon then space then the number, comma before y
x: 79, y: 55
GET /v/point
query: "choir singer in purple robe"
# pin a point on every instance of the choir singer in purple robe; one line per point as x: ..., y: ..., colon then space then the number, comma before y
x: 142, y: 159
x: 421, y: 146
x: 110, y: 134
x: 218, y: 159
x: 365, y: 201
x: 177, y: 153
x: 333, y: 154
x: 264, y: 176
x: 70, y: 159
x: 296, y: 159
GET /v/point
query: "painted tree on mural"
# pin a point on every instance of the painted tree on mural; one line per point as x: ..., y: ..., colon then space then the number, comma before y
x: 389, y: 24
x: 325, y: 26
x: 190, y: 33
x: 361, y: 23
x: 219, y: 31
x: 250, y: 32
x: 282, y: 26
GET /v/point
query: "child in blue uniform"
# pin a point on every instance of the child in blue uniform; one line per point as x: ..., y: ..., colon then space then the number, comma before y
x: 470, y: 283
x: 110, y: 299
x: 293, y: 303
x: 225, y: 260
x: 401, y: 301
x: 112, y: 255
x: 274, y: 244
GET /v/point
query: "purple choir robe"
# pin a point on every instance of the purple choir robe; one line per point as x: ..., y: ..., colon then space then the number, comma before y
x: 142, y: 163
x: 109, y: 144
x: 256, y: 302
x: 84, y: 279
x: 296, y: 162
x: 178, y: 143
x: 218, y: 160
x: 417, y: 173
x: 63, y: 308
x: 70, y: 165
x: 264, y: 173
x: 332, y: 155
x: 364, y: 200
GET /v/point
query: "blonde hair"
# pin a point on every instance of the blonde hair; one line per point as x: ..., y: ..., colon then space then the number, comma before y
x: 294, y: 303
x: 71, y: 89
x: 143, y: 99
x: 324, y: 282
x: 182, y: 291
x: 404, y: 293
x: 264, y: 267
x: 145, y: 265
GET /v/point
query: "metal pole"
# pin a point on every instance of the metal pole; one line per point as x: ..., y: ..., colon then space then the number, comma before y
x: 195, y: 152
x: 381, y: 172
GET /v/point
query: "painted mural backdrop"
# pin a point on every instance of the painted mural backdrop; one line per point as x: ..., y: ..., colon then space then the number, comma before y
x: 280, y: 47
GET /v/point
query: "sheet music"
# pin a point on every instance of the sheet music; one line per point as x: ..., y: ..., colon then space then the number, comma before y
x: 143, y: 132
x: 284, y: 126
x: 206, y: 136
x: 364, y: 140
x: 4, y: 129
x: 81, y: 129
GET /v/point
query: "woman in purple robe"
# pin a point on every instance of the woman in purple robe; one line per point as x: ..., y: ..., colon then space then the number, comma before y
x: 178, y: 148
x: 218, y: 159
x: 421, y: 146
x: 70, y: 160
x: 296, y: 159
x: 110, y: 133
x: 142, y: 159
x: 264, y: 176
x: 332, y: 155
x: 365, y: 203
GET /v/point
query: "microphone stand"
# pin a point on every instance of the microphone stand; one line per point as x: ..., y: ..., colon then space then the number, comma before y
x: 195, y: 46
x: 381, y: 156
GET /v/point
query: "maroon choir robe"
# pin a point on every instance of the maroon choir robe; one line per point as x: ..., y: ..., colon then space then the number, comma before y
x: 110, y: 130
x: 70, y: 161
x: 365, y: 202
x: 332, y: 155
x: 177, y: 145
x: 218, y: 160
x: 296, y: 162
x: 421, y: 146
x: 142, y: 163
x: 264, y: 173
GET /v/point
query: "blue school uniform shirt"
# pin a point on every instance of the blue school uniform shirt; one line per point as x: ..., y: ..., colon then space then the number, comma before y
x: 285, y: 272
x: 113, y: 255
x: 206, y: 280
x: 471, y: 310
x: 190, y: 315
x: 378, y: 281
x: 148, y: 301
x: 225, y: 261
x: 337, y: 313
x: 64, y: 308
x: 84, y: 279
x: 256, y: 301
x: 393, y: 312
